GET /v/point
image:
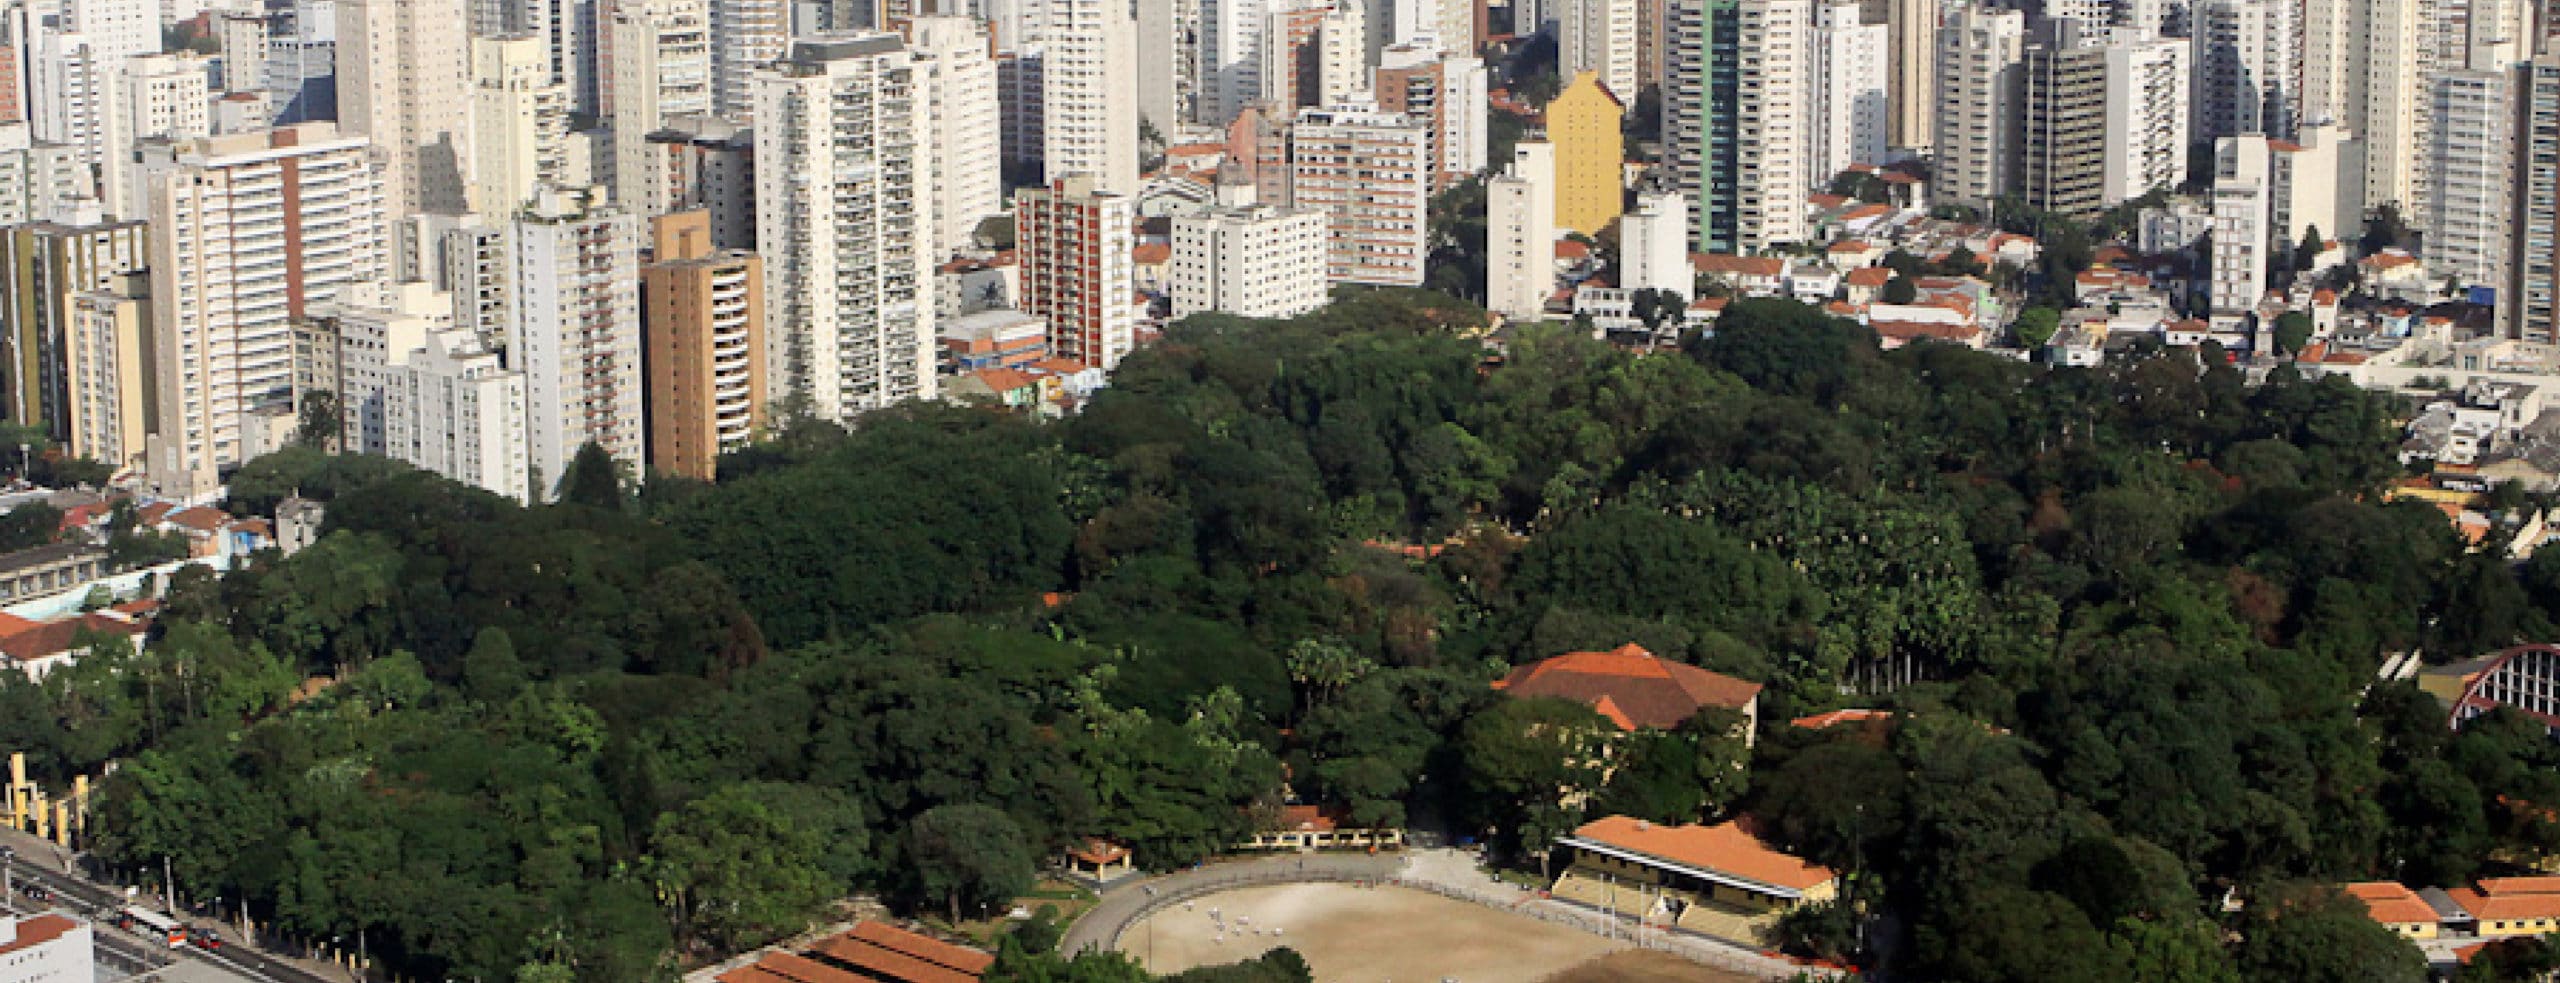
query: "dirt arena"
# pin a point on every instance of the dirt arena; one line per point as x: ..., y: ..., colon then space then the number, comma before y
x: 1378, y: 935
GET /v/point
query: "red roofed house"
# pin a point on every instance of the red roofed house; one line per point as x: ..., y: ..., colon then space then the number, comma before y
x: 1636, y: 689
x: 1722, y: 880
x: 872, y: 952
x: 1304, y: 827
x: 1759, y: 276
x: 2397, y: 908
x: 2506, y: 906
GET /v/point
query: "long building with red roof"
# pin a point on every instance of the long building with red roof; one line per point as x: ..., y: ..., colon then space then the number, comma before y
x: 870, y: 952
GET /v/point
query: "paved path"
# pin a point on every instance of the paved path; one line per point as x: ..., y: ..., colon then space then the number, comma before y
x: 1128, y: 901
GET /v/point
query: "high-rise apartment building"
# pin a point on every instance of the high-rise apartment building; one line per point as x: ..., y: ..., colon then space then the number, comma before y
x: 156, y: 97
x: 1520, y: 233
x: 704, y: 334
x: 1854, y: 110
x: 1169, y: 85
x: 1653, y: 244
x: 1981, y: 83
x: 1370, y: 172
x: 1248, y: 259
x: 2529, y: 302
x: 745, y: 36
x: 1911, y: 58
x: 2248, y: 67
x: 43, y: 267
x: 357, y: 339
x: 1078, y: 273
x: 106, y: 368
x: 660, y: 70
x: 2062, y: 148
x: 1599, y: 36
x: 404, y: 83
x: 454, y: 408
x: 520, y: 122
x: 957, y: 82
x: 120, y: 29
x: 1585, y: 158
x: 2147, y: 100
x: 248, y: 232
x: 573, y: 329
x: 1230, y: 57
x: 844, y: 216
x: 2317, y: 193
x: 70, y: 84
x: 710, y: 164
x: 2242, y: 191
x: 2466, y: 217
x: 1448, y: 93
x: 2363, y: 68
x: 1089, y: 98
x: 1312, y: 55
x: 1738, y: 116
x: 1022, y: 113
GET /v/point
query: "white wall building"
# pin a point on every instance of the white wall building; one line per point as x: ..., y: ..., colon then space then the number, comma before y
x: 1849, y: 89
x: 2466, y: 217
x: 1520, y: 233
x: 520, y: 122
x: 661, y: 70
x: 573, y: 329
x: 453, y: 409
x: 2147, y: 101
x: 1230, y: 57
x: 377, y: 326
x: 1653, y: 244
x: 2241, y: 213
x: 1980, y: 93
x: 2247, y: 66
x: 227, y: 278
x: 404, y: 82
x: 1599, y: 36
x: 47, y: 948
x: 843, y: 218
x: 1370, y: 171
x: 1089, y: 97
x: 957, y: 82
x: 2362, y: 66
x: 1248, y: 259
x: 745, y: 36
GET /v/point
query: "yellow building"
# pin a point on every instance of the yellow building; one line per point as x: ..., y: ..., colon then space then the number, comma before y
x: 1583, y: 123
x: 2508, y: 906
x: 2397, y: 908
x: 1720, y: 880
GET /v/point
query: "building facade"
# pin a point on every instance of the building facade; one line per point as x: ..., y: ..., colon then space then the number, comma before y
x: 1981, y: 84
x: 1248, y: 259
x: 1076, y: 242
x: 704, y: 331
x: 1370, y: 172
x: 404, y: 83
x: 958, y: 83
x: 1588, y: 185
x: 573, y: 329
x: 660, y: 70
x: 1520, y: 233
x: 454, y: 408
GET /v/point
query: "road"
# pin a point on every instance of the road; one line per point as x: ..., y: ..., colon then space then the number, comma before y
x: 99, y: 903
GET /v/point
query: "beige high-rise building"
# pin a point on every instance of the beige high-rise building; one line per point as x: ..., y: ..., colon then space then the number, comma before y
x: 746, y: 36
x: 248, y: 233
x: 1089, y: 93
x: 108, y: 367
x: 958, y: 82
x: 1371, y: 172
x: 703, y: 311
x: 661, y: 70
x: 1599, y: 36
x: 1981, y: 83
x: 43, y: 267
x: 520, y: 119
x: 1911, y: 68
x: 404, y: 83
x: 844, y: 220
x: 2362, y: 69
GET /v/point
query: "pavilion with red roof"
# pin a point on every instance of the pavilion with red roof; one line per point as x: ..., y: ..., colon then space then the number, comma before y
x: 1636, y: 689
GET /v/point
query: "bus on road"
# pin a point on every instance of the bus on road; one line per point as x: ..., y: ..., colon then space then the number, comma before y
x: 152, y: 925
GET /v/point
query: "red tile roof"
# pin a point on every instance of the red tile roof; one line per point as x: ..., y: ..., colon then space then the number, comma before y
x: 1632, y: 687
x: 1097, y: 851
x: 1151, y: 254
x: 927, y: 948
x: 1725, y: 848
x: 150, y: 515
x: 1850, y: 246
x: 1005, y: 380
x: 1853, y: 715
x: 37, y: 931
x: 201, y: 518
x: 1742, y: 265
x: 1869, y: 276
x: 1916, y: 330
x: 2391, y: 903
x: 1572, y: 249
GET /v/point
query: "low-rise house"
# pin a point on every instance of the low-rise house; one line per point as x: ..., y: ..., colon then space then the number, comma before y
x: 1851, y: 254
x: 2398, y: 908
x: 1307, y: 828
x: 2507, y: 906
x: 1812, y: 282
x: 997, y: 338
x: 1865, y: 285
x: 1721, y: 880
x: 1756, y: 276
x: 1635, y: 689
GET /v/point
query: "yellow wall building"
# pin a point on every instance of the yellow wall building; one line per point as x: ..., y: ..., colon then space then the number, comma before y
x: 1719, y: 880
x: 1583, y: 123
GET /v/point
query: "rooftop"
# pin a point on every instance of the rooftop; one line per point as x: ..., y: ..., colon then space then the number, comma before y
x: 1724, y: 848
x: 1632, y: 687
x: 2392, y: 903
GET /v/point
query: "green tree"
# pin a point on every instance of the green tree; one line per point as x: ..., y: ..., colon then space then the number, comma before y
x: 593, y: 479
x: 1901, y: 290
x: 1523, y: 760
x: 968, y: 853
x: 735, y: 872
x: 320, y: 422
x: 2036, y: 326
x: 2293, y: 331
x: 2321, y: 936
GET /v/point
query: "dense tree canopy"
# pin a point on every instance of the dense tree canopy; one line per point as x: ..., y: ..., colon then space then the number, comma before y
x: 2123, y: 617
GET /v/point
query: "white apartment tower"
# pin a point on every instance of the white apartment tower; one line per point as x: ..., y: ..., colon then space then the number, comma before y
x: 1448, y: 92
x: 843, y: 217
x: 2529, y: 302
x: 2242, y: 192
x: 1520, y: 233
x: 1089, y: 97
x: 376, y: 325
x: 248, y: 232
x: 1849, y: 89
x: 745, y: 36
x: 573, y: 329
x: 2467, y: 213
x: 454, y: 409
x: 661, y: 70
x: 1599, y: 36
x: 70, y: 84
x: 1230, y: 57
x: 1653, y: 244
x: 1738, y: 119
x: 157, y: 97
x: 2248, y: 66
x: 1169, y: 86
x: 956, y: 81
x: 1248, y: 259
x: 2363, y: 65
x: 2147, y: 101
x: 520, y: 122
x: 1981, y: 88
x: 404, y: 82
